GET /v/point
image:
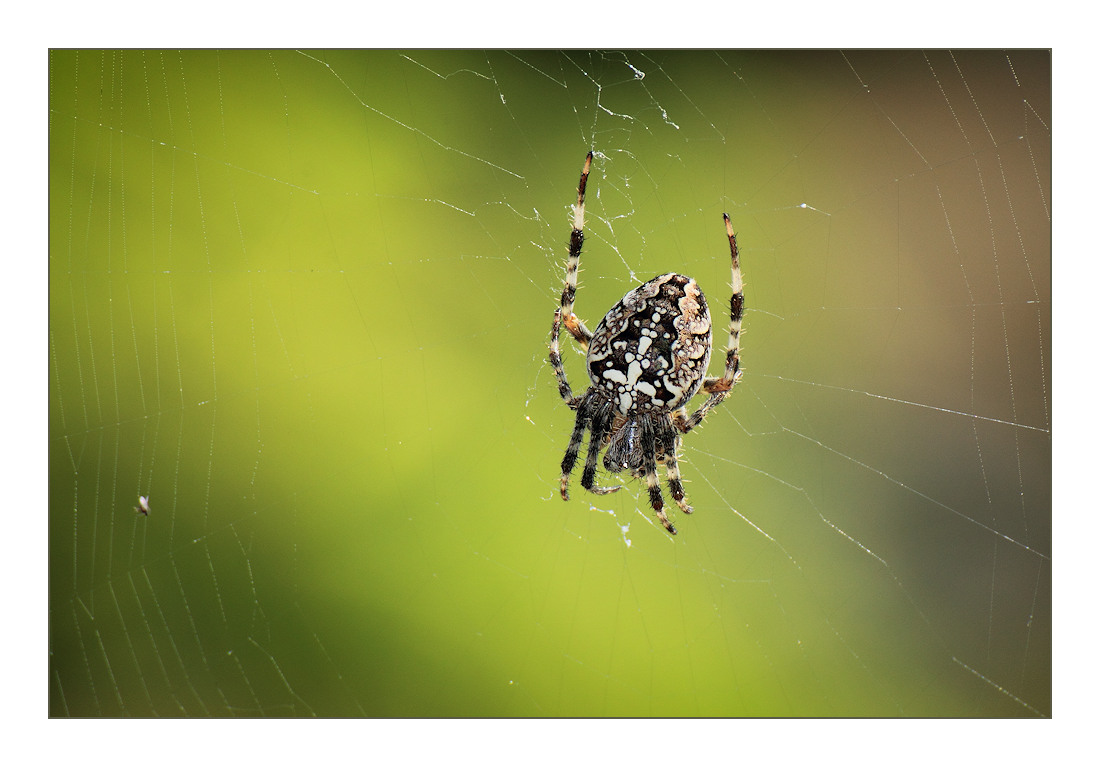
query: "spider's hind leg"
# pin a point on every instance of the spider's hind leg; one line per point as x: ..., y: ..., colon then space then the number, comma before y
x: 719, y: 388
x: 563, y: 315
x: 564, y: 389
x: 571, y: 321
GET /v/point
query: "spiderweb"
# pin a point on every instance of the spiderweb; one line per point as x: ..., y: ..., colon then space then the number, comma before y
x: 301, y: 301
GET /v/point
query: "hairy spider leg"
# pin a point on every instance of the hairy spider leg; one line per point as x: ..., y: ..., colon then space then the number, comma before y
x: 602, y: 412
x: 565, y: 314
x: 648, y: 438
x: 564, y: 389
x: 675, y: 481
x: 576, y: 239
x: 574, y: 447
x: 719, y: 388
x: 595, y: 414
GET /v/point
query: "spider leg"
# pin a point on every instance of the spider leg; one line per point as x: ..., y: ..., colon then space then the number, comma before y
x: 601, y: 424
x: 564, y: 389
x: 675, y: 483
x: 649, y: 471
x: 719, y: 388
x: 576, y: 239
x: 564, y: 315
x: 570, y: 458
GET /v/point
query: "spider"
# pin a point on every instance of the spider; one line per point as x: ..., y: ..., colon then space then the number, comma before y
x: 646, y: 359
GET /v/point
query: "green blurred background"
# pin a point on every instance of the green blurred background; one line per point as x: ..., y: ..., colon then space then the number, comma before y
x: 302, y: 300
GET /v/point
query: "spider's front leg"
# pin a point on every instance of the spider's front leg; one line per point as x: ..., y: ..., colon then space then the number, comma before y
x: 602, y: 417
x: 595, y: 415
x: 570, y: 458
x: 648, y: 440
x: 671, y: 443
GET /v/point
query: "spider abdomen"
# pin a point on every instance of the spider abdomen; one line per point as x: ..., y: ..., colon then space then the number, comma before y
x: 650, y: 352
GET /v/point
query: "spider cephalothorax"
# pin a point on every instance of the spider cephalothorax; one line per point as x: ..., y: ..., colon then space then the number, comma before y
x: 647, y: 358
